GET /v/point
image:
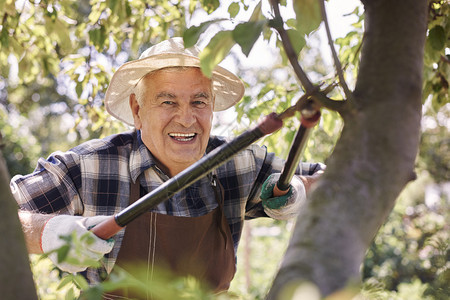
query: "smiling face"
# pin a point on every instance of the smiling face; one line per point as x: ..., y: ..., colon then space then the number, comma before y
x: 174, y: 115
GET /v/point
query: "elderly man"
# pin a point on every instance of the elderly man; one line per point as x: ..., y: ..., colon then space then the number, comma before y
x: 170, y: 103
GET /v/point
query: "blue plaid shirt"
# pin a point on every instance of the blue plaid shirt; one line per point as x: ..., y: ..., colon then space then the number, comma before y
x: 94, y: 179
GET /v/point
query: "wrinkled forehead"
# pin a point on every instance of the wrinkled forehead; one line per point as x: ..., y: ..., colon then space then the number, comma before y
x: 179, y: 69
x: 148, y: 78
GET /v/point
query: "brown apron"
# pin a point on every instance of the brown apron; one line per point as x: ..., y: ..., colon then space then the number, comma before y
x: 198, y: 246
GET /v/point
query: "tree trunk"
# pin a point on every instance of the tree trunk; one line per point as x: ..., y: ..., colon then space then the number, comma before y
x: 16, y: 280
x: 373, y: 160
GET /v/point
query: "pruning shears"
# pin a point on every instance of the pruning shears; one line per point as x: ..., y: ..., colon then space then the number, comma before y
x: 309, y: 118
x: 212, y: 160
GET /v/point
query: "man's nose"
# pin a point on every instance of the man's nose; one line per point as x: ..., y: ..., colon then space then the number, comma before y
x: 186, y: 116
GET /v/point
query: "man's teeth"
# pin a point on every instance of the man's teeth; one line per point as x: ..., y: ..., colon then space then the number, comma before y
x: 183, y: 137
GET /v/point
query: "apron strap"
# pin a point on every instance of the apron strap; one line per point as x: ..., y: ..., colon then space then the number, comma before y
x: 219, y: 193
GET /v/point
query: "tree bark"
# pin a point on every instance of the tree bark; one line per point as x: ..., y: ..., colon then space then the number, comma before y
x: 16, y: 280
x: 373, y: 160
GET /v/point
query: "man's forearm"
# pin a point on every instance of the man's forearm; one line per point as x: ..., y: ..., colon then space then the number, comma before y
x: 32, y: 224
x: 311, y: 179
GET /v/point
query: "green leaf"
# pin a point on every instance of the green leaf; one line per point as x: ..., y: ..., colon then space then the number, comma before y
x: 87, y: 238
x: 256, y: 14
x: 210, y: 5
x: 112, y: 6
x: 97, y: 37
x: 70, y: 294
x: 247, y: 34
x: 297, y: 40
x: 4, y: 37
x: 80, y: 282
x: 128, y: 9
x: 233, y: 9
x: 291, y: 23
x: 192, y: 4
x: 63, y: 252
x: 431, y: 54
x: 308, y: 15
x: 96, y: 291
x: 8, y: 8
x: 215, y: 52
x: 65, y: 281
x: 95, y: 15
x: 192, y: 34
x: 436, y: 37
x: 63, y: 34
x: 79, y: 89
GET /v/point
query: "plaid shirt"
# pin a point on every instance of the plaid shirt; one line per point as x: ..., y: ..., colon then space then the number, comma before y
x: 94, y: 179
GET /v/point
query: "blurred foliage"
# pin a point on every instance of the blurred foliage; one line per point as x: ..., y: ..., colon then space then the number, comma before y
x: 413, y: 246
x: 437, y: 57
x: 57, y: 57
x: 434, y: 149
x: 262, y: 246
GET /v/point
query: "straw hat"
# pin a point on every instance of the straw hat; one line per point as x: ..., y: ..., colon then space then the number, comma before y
x: 228, y: 88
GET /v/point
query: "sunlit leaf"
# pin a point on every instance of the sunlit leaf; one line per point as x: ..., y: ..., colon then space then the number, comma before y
x: 233, y: 9
x: 291, y: 23
x: 192, y: 34
x: 63, y: 34
x: 8, y: 7
x: 210, y: 5
x: 94, y: 15
x: 308, y: 15
x: 64, y: 281
x: 219, y: 46
x: 192, y: 4
x: 70, y: 294
x: 80, y: 282
x: 256, y: 14
x: 297, y: 40
x: 247, y: 34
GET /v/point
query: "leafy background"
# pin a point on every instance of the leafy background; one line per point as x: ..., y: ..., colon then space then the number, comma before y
x: 57, y: 57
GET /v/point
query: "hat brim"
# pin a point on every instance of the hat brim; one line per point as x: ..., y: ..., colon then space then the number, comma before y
x: 227, y: 87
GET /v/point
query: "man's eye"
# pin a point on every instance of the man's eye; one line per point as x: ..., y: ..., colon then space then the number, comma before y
x: 199, y: 103
x: 168, y: 102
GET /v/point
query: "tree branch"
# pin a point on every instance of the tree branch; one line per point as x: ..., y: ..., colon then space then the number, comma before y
x: 278, y: 25
x: 337, y: 63
x: 309, y: 87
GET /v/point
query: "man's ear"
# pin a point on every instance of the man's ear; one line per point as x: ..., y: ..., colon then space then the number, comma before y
x: 134, y: 105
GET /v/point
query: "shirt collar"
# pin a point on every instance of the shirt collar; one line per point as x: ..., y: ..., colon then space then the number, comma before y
x: 140, y: 158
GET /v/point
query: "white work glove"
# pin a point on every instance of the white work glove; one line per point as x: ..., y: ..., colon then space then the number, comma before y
x: 284, y: 207
x: 77, y: 260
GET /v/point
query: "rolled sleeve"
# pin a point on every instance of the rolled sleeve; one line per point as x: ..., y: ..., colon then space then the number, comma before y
x: 307, y: 169
x: 52, y: 187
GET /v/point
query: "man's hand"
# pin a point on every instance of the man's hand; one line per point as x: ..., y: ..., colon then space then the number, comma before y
x: 77, y: 260
x: 285, y: 206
